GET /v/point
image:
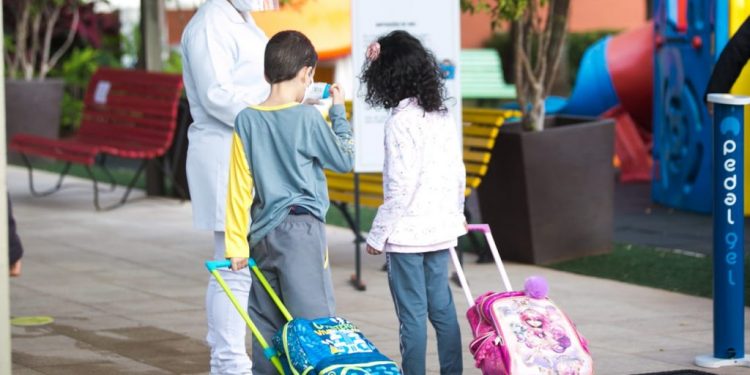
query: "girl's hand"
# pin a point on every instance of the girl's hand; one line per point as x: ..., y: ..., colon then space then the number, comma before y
x: 337, y: 94
x: 373, y: 251
x: 238, y: 263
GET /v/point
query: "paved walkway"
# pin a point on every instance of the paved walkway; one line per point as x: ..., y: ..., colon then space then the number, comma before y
x: 126, y: 289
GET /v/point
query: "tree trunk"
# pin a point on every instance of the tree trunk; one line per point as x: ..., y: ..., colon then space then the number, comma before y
x: 536, y: 113
x: 561, y: 84
x: 48, y: 65
x: 519, y: 76
x: 36, y: 25
x: 535, y: 72
x: 22, y: 32
x: 558, y: 25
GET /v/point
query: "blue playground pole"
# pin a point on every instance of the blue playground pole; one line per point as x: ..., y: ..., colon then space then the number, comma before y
x: 729, y: 236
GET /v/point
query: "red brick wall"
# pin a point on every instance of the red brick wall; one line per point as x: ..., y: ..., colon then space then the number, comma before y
x: 475, y: 29
x: 585, y: 15
x: 588, y: 15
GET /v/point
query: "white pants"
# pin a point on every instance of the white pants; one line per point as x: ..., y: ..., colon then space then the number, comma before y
x: 226, y: 329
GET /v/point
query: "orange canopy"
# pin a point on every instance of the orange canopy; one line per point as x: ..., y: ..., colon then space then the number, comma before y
x: 326, y: 22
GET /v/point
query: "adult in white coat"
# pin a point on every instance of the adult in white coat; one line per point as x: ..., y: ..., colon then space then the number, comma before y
x: 223, y: 53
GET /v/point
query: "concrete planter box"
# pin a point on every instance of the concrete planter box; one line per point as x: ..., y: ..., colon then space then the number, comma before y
x: 32, y: 107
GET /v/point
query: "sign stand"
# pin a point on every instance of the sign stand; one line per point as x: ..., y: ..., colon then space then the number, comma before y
x: 356, y: 279
x: 729, y: 236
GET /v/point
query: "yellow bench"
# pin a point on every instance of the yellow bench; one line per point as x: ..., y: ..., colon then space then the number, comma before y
x: 481, y: 127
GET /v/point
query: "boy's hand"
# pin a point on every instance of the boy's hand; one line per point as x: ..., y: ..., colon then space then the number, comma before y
x: 373, y: 251
x: 238, y: 263
x: 337, y: 94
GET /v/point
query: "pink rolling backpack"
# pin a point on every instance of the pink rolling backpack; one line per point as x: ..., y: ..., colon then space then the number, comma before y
x: 521, y: 332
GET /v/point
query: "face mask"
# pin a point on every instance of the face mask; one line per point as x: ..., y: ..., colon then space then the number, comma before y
x: 255, y: 5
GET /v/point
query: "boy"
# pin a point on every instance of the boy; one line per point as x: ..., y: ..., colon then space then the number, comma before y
x: 279, y: 150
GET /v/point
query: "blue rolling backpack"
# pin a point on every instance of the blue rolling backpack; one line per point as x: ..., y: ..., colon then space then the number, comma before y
x: 324, y: 346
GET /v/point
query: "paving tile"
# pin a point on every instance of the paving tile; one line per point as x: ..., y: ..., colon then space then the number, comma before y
x: 108, y: 367
x: 613, y: 363
x: 53, y: 350
x: 26, y: 301
x: 23, y: 370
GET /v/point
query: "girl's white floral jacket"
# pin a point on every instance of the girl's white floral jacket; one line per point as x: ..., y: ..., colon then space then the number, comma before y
x: 423, y: 181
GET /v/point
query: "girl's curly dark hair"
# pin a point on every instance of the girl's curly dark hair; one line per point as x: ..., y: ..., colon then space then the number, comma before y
x: 404, y: 69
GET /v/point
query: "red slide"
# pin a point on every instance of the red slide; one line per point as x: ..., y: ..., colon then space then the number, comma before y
x: 630, y: 60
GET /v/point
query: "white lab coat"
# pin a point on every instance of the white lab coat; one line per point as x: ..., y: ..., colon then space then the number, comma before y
x: 223, y: 74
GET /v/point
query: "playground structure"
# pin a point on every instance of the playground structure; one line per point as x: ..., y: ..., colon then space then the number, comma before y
x: 615, y: 81
x: 682, y: 126
x: 684, y: 58
x: 736, y: 13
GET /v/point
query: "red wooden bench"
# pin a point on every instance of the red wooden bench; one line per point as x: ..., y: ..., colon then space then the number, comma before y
x: 127, y: 114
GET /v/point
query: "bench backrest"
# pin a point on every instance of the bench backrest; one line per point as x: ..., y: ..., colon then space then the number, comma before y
x: 481, y: 127
x: 482, y: 75
x: 132, y: 107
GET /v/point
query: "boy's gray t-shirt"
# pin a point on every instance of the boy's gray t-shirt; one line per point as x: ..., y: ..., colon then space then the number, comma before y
x: 287, y: 148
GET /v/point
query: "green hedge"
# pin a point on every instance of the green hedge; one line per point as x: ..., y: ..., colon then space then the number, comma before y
x: 576, y: 46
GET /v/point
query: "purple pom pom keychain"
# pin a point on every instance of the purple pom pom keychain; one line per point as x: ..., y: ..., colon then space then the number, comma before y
x: 536, y: 287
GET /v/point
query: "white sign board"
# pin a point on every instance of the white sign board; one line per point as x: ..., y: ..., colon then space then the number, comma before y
x: 437, y: 24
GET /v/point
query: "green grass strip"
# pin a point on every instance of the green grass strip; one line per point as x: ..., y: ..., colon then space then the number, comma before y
x: 672, y: 270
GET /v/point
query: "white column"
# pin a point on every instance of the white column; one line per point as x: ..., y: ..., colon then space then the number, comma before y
x: 5, y: 365
x: 153, y: 33
x: 153, y: 24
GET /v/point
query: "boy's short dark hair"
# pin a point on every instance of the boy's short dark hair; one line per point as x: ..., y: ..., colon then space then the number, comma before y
x: 286, y: 53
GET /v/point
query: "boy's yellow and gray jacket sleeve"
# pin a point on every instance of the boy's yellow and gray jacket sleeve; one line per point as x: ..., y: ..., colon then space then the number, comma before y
x: 239, y: 201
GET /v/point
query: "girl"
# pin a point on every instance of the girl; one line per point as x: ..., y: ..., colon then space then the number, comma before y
x: 423, y: 181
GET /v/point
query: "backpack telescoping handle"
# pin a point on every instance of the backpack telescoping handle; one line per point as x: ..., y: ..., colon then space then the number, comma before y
x: 213, y: 267
x: 484, y: 228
